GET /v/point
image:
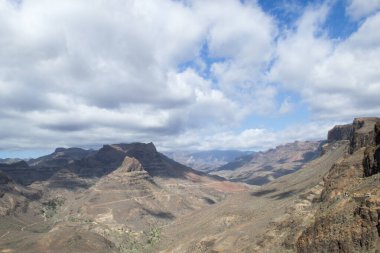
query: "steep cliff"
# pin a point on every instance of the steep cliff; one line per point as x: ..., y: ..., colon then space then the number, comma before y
x: 348, y: 218
x: 340, y: 132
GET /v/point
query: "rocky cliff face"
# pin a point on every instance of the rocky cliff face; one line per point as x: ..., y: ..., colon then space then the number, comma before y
x: 340, y: 132
x: 130, y: 164
x: 348, y: 219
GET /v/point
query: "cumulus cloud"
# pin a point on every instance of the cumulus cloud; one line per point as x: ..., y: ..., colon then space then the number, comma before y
x: 179, y: 73
x: 337, y: 79
x: 358, y: 9
x: 252, y: 138
x: 77, y: 73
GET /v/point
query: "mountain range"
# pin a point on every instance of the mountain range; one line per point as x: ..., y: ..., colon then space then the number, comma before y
x: 207, y: 160
x: 316, y: 196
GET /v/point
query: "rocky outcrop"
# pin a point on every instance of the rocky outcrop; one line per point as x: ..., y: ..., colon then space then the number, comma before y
x: 348, y: 217
x: 361, y: 133
x: 340, y: 133
x: 130, y: 165
x: 371, y: 161
x: 364, y: 133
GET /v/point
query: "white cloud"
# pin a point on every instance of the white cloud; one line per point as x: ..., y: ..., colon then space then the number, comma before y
x: 245, y: 41
x: 252, y: 138
x: 77, y: 73
x: 85, y: 73
x: 339, y: 80
x: 358, y: 8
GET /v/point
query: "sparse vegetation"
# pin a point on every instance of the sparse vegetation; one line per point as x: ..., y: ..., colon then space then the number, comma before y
x: 154, y: 236
x: 80, y: 219
x: 50, y: 207
x: 73, y: 241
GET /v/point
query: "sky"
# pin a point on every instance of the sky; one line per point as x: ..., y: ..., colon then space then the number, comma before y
x: 184, y: 74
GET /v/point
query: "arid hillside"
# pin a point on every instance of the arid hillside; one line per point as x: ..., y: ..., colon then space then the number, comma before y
x: 209, y: 160
x: 131, y: 198
x: 329, y: 205
x: 263, y: 167
x: 113, y: 200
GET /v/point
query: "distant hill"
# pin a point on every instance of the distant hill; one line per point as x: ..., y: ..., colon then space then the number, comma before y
x: 206, y: 161
x: 61, y: 156
x: 9, y: 160
x: 263, y: 167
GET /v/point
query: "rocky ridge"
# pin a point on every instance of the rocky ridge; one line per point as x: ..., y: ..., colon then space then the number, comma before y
x: 348, y: 216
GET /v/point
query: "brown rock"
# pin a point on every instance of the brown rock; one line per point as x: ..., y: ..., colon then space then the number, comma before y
x: 131, y: 164
x: 364, y: 133
x: 348, y: 217
x: 340, y: 133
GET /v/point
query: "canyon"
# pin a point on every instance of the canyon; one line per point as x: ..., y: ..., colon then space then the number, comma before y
x: 314, y: 196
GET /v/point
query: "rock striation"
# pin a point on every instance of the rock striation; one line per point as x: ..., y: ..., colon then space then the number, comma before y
x: 130, y: 165
x: 340, y: 132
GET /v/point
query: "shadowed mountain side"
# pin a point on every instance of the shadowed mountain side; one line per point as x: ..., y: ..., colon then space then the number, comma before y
x: 120, y: 196
x: 14, y: 196
x: 89, y: 164
x: 156, y: 164
x: 10, y: 160
x: 45, y: 167
x: 61, y: 157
